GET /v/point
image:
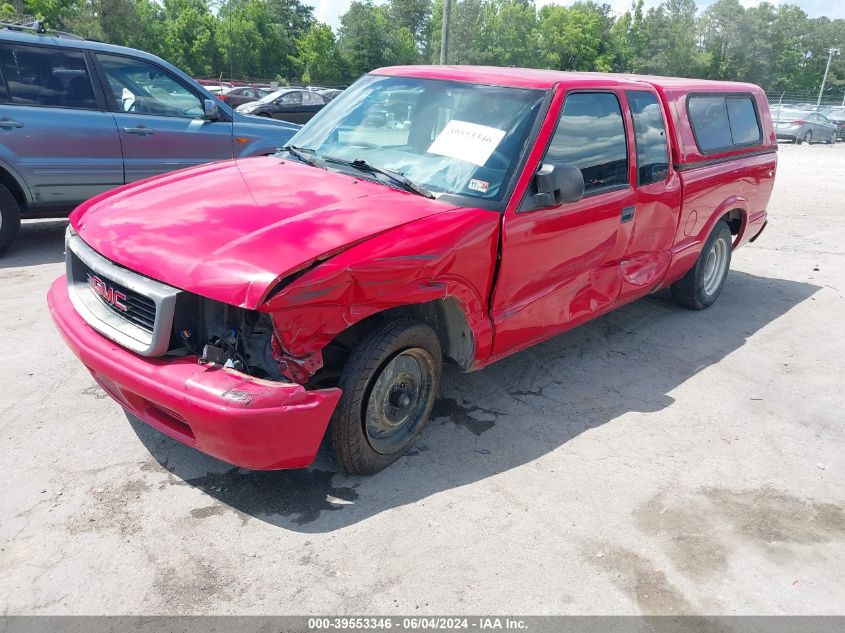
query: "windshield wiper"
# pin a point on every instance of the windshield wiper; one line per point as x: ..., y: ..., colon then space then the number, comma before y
x: 302, y: 154
x: 405, y: 183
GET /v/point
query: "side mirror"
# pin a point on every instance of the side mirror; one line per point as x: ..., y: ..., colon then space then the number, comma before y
x: 211, y: 109
x: 559, y: 183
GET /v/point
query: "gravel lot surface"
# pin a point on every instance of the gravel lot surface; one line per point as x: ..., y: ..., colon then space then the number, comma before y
x: 656, y: 460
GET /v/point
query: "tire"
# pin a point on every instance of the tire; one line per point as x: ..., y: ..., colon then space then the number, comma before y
x: 808, y: 137
x: 703, y: 284
x: 264, y: 114
x: 832, y: 139
x: 389, y: 384
x: 10, y: 219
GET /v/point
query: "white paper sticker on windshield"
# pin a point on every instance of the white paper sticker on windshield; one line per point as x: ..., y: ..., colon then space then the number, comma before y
x: 467, y: 141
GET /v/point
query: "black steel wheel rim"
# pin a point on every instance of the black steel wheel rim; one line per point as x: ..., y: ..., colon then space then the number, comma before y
x: 399, y: 400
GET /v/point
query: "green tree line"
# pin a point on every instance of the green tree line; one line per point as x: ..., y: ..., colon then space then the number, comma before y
x: 776, y: 46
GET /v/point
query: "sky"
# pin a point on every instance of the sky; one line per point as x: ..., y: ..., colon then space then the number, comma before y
x: 329, y: 11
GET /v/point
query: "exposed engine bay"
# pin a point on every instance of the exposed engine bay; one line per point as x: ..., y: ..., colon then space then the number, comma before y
x: 225, y: 336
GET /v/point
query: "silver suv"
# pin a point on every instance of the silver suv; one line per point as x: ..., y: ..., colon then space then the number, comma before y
x: 78, y: 118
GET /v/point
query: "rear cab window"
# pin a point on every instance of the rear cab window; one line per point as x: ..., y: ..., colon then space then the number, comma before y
x: 42, y: 76
x: 724, y: 122
x: 649, y: 137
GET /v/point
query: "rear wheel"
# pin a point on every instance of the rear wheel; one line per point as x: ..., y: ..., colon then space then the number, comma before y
x: 808, y: 137
x: 10, y: 219
x: 389, y: 384
x: 701, y: 286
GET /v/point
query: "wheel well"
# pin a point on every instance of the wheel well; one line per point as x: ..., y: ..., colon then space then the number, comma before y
x: 734, y: 219
x: 444, y: 316
x: 8, y: 181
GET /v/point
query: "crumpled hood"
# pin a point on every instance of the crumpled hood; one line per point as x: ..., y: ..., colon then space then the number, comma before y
x: 230, y: 231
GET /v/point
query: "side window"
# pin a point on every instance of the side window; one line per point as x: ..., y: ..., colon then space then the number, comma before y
x: 591, y: 136
x: 53, y: 77
x: 291, y: 98
x: 650, y: 131
x: 745, y: 128
x: 143, y: 88
x: 709, y: 118
x: 723, y: 122
x: 4, y: 96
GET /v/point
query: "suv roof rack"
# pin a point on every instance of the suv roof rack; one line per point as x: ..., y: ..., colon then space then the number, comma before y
x: 29, y: 24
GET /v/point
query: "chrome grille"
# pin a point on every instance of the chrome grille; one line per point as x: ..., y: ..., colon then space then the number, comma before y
x: 130, y: 309
x: 140, y: 310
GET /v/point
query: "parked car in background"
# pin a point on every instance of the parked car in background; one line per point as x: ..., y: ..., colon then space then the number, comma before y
x: 804, y: 126
x: 391, y: 110
x: 78, y: 118
x: 241, y: 95
x: 329, y: 94
x: 214, y: 84
x: 836, y: 115
x: 320, y: 291
x: 295, y: 105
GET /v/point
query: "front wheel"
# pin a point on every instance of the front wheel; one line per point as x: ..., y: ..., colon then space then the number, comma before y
x: 832, y: 138
x: 701, y: 286
x: 10, y: 219
x: 389, y: 384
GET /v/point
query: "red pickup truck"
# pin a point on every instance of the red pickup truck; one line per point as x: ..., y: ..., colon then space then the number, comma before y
x: 428, y: 214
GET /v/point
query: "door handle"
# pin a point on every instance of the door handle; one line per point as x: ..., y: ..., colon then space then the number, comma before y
x: 9, y: 124
x: 141, y: 131
x: 628, y: 214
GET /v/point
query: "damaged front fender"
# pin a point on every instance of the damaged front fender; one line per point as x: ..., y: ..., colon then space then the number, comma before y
x: 448, y: 256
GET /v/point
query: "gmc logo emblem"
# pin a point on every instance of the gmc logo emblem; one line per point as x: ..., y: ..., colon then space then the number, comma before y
x: 107, y: 293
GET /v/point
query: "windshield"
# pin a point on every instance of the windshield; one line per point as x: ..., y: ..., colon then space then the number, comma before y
x: 448, y: 137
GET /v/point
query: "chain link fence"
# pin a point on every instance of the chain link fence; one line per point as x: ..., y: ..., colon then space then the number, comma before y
x: 806, y: 99
x: 243, y: 80
x: 16, y: 19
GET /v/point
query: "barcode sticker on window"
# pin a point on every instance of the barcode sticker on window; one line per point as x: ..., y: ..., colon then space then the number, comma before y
x: 467, y: 141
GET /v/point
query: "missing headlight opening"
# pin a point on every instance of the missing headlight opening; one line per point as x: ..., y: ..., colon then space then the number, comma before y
x: 225, y: 336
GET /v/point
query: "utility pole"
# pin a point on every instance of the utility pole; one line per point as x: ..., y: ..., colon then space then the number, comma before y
x: 830, y: 53
x: 444, y: 37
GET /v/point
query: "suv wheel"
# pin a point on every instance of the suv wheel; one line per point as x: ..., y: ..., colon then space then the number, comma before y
x: 389, y: 384
x: 701, y: 286
x: 10, y: 219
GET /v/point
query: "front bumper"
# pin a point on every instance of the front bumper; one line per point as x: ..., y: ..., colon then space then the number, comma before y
x: 245, y: 421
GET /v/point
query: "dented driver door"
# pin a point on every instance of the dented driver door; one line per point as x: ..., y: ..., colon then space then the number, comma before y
x: 560, y: 265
